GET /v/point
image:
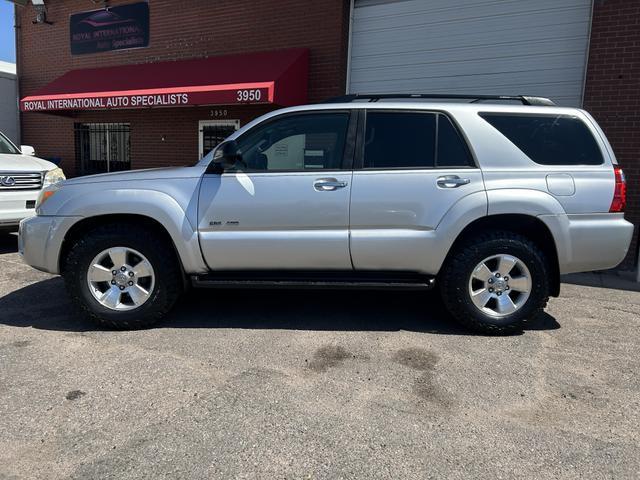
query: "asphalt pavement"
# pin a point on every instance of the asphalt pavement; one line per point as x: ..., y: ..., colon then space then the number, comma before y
x: 315, y: 385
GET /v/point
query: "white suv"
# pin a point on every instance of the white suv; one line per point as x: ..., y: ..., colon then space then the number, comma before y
x: 491, y: 202
x: 22, y: 177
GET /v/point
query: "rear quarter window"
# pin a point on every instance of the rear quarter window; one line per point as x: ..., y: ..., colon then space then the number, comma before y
x: 548, y: 139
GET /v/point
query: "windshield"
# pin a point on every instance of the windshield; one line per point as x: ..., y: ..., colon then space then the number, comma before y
x: 7, y: 147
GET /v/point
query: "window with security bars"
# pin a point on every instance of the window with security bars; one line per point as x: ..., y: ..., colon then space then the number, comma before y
x: 103, y: 147
x: 214, y: 132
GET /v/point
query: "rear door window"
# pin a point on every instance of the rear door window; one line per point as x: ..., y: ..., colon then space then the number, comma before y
x: 413, y: 140
x: 452, y: 150
x: 548, y: 139
x: 400, y: 140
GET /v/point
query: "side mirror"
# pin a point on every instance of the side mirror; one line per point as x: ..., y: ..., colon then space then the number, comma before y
x: 28, y: 150
x: 227, y: 155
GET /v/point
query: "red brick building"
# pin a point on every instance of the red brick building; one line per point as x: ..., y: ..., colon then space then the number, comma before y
x: 612, y: 92
x: 578, y: 52
x: 178, y: 31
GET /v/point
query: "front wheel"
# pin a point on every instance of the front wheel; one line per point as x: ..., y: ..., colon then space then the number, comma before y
x: 495, y: 282
x: 122, y: 276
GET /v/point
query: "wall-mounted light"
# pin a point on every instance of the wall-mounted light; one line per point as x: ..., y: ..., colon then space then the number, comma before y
x: 105, y: 3
x: 41, y: 12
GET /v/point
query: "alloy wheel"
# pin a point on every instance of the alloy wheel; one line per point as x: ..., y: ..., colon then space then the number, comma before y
x: 120, y: 278
x: 500, y: 285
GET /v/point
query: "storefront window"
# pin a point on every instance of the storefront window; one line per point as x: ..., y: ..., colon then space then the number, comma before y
x: 103, y: 147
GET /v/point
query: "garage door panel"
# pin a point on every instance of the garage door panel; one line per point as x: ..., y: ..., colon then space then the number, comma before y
x: 494, y: 84
x: 419, y: 12
x: 432, y: 39
x: 513, y: 58
x: 471, y: 45
x: 550, y: 27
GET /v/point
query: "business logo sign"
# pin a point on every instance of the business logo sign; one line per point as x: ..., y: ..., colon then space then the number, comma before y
x: 113, y: 28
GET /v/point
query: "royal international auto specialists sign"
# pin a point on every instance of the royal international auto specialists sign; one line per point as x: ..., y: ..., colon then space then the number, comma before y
x: 112, y: 28
x: 260, y: 92
x: 99, y: 103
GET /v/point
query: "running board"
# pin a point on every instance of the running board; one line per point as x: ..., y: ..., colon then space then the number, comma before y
x: 329, y: 280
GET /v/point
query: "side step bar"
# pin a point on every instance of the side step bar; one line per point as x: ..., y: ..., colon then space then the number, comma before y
x: 335, y: 280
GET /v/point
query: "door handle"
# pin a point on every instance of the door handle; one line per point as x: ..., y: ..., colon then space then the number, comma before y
x: 328, y: 184
x: 452, y: 181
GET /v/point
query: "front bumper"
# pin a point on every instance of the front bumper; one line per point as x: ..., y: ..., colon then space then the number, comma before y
x: 16, y: 205
x: 40, y: 241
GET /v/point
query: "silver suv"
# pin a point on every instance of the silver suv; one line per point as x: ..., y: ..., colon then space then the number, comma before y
x: 487, y: 199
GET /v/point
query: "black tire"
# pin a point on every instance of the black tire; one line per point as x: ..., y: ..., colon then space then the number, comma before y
x: 456, y: 274
x: 168, y: 278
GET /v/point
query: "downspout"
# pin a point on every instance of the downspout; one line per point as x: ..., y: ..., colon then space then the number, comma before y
x: 16, y: 28
x: 586, y: 60
x: 348, y: 78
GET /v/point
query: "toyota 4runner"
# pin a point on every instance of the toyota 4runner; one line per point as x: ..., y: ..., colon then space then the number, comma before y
x: 487, y: 199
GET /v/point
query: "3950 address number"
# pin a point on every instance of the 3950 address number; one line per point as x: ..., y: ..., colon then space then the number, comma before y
x: 248, y: 95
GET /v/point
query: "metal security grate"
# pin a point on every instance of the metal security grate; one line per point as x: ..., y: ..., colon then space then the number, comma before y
x: 103, y: 147
x: 20, y: 181
x: 214, y: 132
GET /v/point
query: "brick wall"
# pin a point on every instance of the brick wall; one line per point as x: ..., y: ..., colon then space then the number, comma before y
x: 179, y: 30
x: 612, y: 92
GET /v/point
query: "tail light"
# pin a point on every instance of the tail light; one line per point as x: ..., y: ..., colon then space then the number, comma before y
x: 619, y: 201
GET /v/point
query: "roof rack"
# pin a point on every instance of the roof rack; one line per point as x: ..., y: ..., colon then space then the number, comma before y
x: 525, y: 99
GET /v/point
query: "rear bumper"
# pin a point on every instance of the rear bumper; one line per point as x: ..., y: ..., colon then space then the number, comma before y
x: 589, y: 242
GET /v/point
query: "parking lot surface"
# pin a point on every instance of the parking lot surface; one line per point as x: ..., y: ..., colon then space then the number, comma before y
x: 315, y: 385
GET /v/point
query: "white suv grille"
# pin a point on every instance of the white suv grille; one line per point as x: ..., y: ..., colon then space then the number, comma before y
x: 20, y: 181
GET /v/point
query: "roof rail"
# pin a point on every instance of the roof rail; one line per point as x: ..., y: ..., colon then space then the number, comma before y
x: 524, y: 99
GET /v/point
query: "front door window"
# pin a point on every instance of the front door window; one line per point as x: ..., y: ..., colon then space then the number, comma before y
x: 303, y: 142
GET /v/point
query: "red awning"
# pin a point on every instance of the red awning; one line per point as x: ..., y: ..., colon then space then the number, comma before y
x: 278, y: 77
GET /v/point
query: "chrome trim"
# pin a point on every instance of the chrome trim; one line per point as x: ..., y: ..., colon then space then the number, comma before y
x: 21, y: 180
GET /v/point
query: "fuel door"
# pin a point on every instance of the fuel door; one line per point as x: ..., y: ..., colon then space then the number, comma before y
x: 561, y: 184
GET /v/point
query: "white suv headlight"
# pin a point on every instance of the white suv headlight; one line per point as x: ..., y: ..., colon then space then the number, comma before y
x: 53, y: 176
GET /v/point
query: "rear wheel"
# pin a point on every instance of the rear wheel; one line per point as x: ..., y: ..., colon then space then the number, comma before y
x: 122, y: 276
x: 494, y: 283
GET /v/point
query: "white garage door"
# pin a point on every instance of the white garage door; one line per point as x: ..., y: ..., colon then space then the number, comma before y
x: 509, y: 47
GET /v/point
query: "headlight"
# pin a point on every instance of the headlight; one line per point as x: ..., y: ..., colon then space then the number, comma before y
x: 45, y: 194
x: 53, y: 176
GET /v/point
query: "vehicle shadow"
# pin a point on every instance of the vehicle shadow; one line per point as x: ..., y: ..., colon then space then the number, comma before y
x: 611, y: 279
x: 44, y: 305
x: 8, y: 242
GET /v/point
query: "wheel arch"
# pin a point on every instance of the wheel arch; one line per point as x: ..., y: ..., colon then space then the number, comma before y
x: 85, y: 225
x: 527, y: 225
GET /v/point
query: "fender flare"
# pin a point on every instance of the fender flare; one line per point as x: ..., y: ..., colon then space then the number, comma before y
x: 530, y: 203
x: 539, y: 204
x: 153, y: 204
